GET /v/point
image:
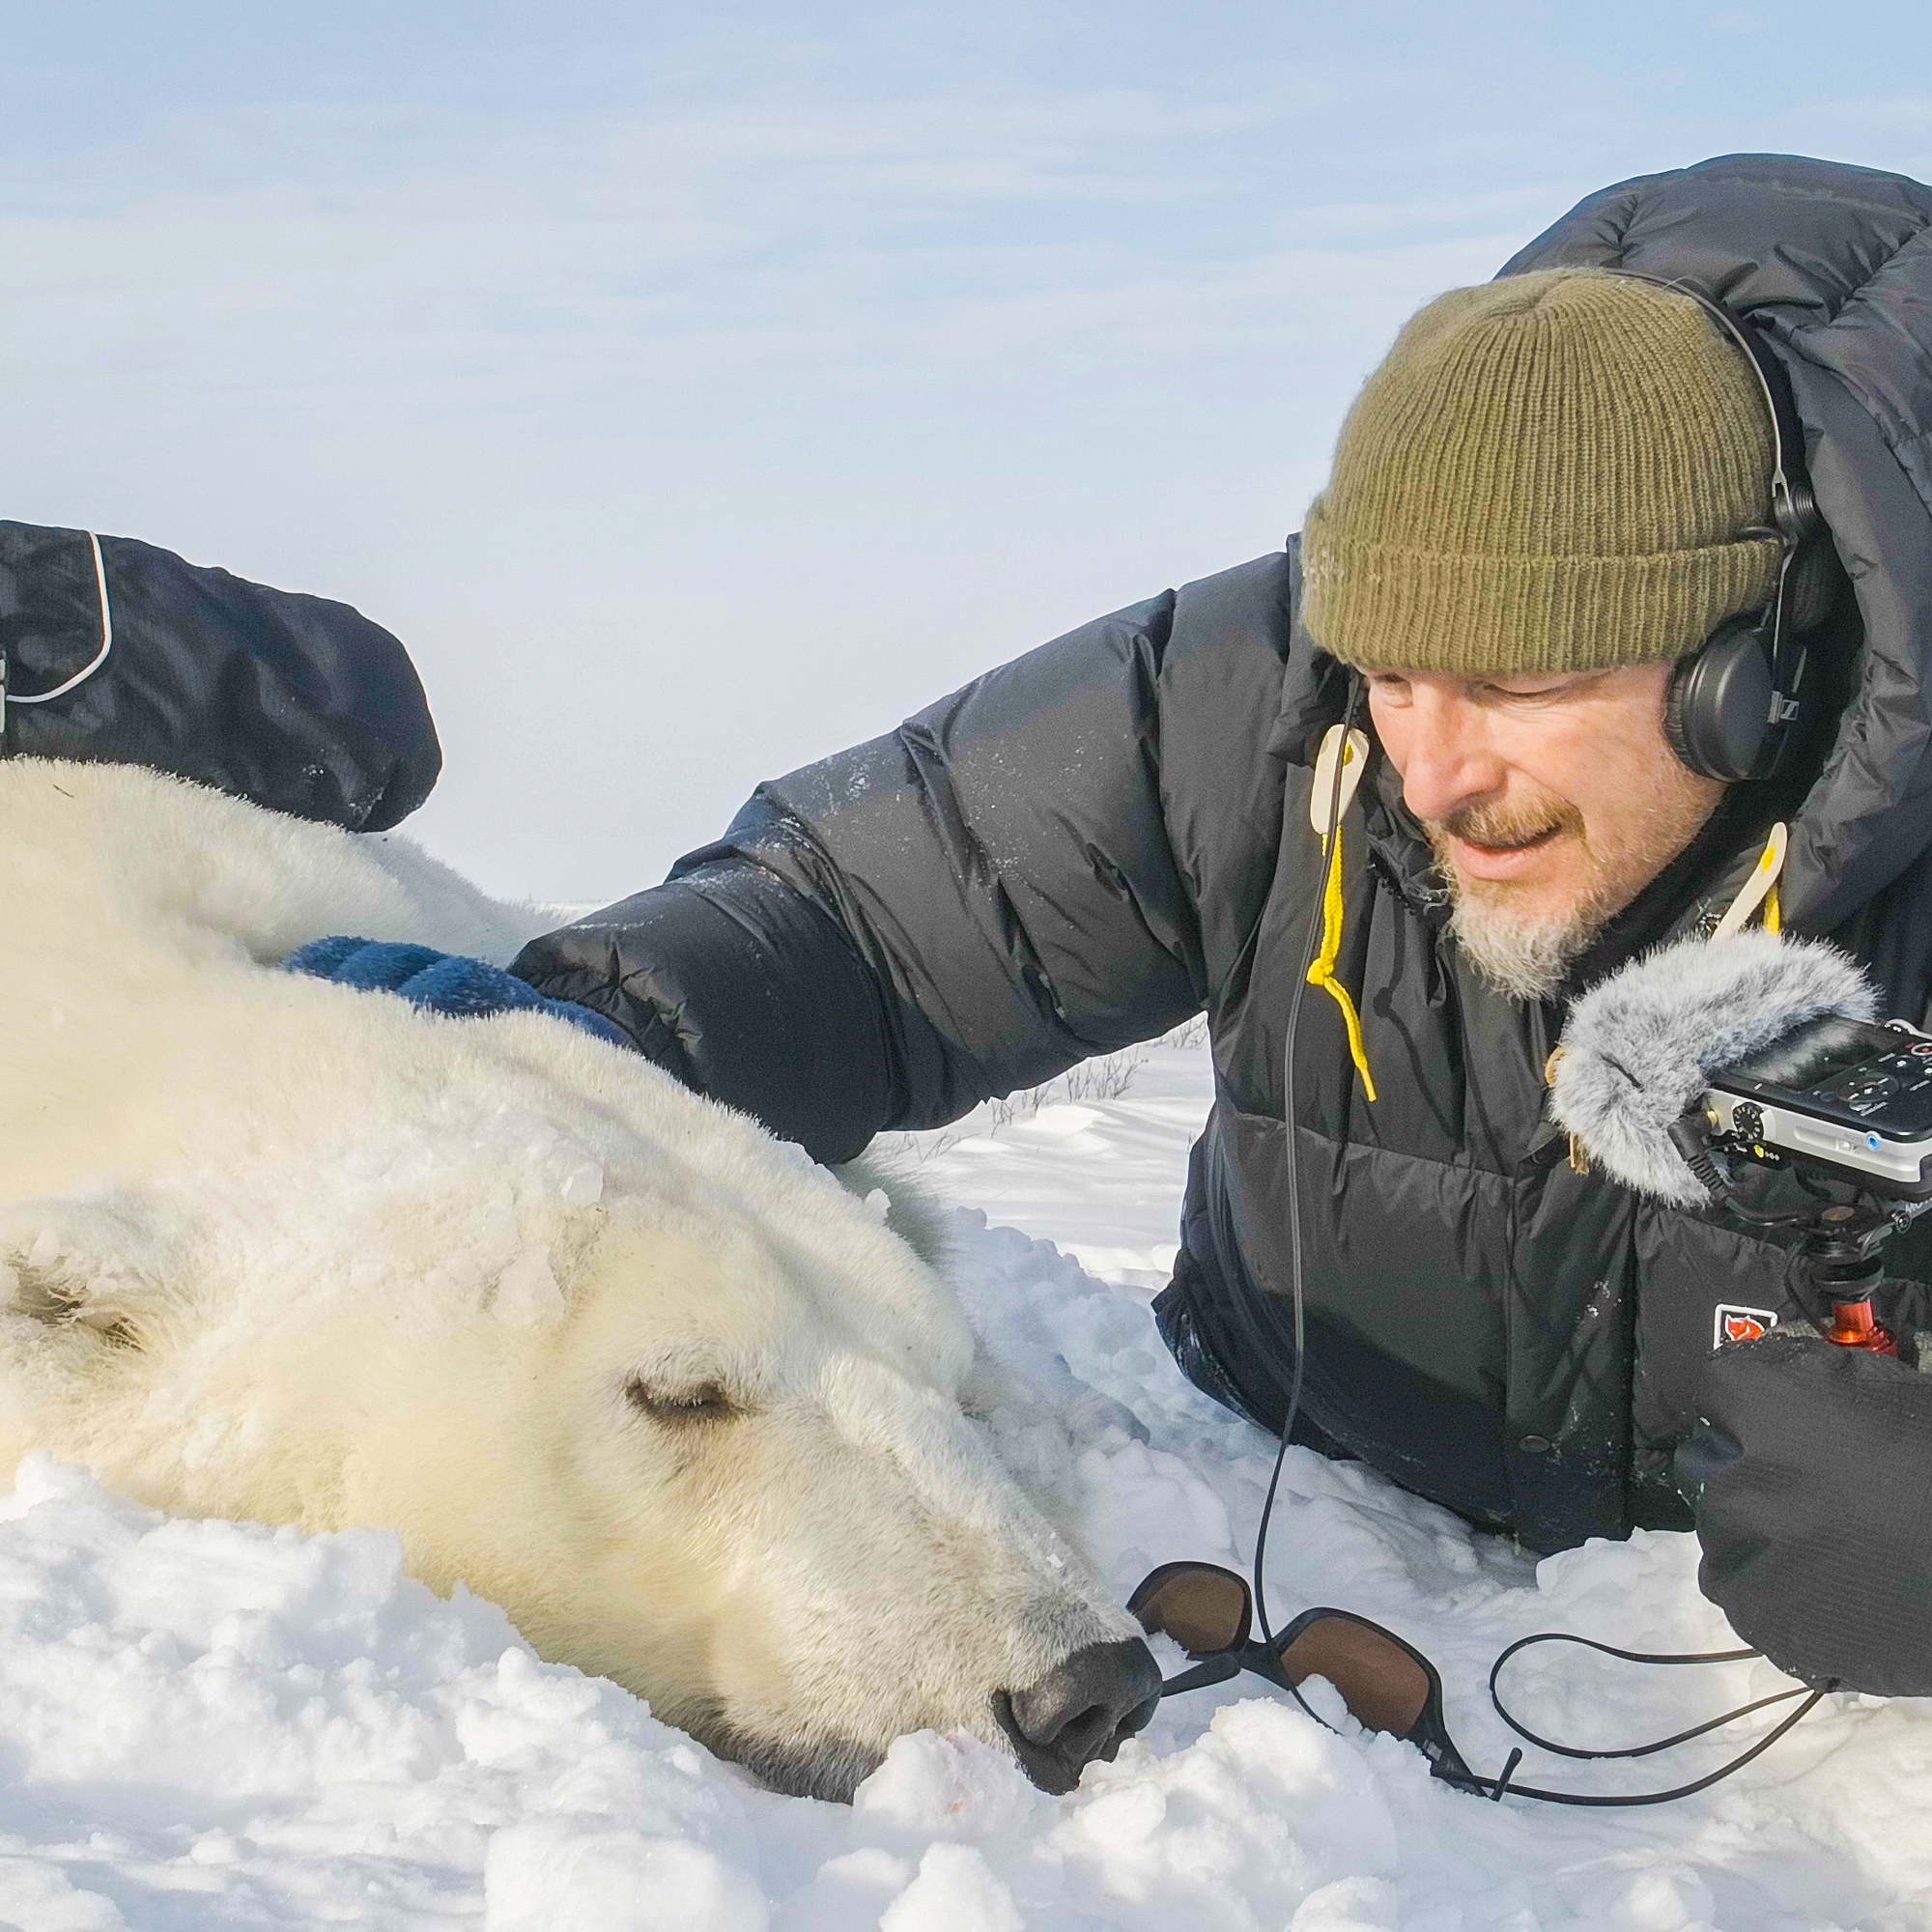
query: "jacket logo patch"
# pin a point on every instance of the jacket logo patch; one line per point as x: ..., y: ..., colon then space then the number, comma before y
x: 1734, y: 1323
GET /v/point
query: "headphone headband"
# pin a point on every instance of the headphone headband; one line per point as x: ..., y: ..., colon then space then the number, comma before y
x: 1793, y: 506
x: 1779, y: 652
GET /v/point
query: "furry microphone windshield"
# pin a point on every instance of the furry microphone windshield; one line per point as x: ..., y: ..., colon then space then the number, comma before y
x: 1639, y: 1048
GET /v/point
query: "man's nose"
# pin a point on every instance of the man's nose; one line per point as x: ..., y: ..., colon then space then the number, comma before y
x: 1448, y: 762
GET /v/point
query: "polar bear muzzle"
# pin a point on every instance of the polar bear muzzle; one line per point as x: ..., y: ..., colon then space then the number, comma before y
x: 1083, y: 1710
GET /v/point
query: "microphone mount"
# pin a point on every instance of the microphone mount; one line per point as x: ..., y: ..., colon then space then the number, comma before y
x: 1841, y: 1240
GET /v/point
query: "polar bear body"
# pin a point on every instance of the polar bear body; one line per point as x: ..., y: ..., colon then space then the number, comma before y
x: 278, y: 1249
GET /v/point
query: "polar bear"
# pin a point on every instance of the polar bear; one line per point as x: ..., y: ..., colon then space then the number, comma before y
x: 681, y: 1403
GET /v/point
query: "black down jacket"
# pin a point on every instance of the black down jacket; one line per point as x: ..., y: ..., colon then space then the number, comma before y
x: 1093, y: 843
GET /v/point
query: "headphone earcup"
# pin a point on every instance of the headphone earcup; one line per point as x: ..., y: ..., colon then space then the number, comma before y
x: 1717, y: 711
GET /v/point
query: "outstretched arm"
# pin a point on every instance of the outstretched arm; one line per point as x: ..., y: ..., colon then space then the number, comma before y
x: 965, y: 907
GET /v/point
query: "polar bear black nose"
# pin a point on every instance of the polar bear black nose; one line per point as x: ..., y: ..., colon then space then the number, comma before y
x: 1081, y: 1710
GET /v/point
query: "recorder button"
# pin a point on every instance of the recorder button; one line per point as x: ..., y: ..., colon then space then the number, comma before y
x: 1852, y: 1092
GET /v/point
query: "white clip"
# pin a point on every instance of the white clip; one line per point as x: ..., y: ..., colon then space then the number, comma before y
x: 1355, y: 762
x: 102, y: 654
x: 1756, y: 887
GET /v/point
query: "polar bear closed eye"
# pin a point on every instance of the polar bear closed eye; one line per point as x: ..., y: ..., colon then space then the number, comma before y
x: 604, y: 1351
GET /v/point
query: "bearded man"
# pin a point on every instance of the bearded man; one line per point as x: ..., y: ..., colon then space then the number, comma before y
x: 1551, y: 492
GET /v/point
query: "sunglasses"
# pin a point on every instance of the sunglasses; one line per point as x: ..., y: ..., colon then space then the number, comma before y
x: 1387, y: 1684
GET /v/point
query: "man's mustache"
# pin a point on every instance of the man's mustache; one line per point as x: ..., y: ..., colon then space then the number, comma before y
x: 1503, y: 826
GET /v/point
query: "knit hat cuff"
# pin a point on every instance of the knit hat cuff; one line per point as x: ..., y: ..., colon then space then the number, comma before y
x: 1473, y: 614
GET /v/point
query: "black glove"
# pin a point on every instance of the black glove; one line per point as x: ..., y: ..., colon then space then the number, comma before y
x: 1810, y: 1474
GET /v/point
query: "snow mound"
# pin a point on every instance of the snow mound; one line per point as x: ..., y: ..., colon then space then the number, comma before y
x: 214, y: 1723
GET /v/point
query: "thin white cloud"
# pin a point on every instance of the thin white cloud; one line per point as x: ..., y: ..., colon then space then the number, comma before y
x: 463, y: 265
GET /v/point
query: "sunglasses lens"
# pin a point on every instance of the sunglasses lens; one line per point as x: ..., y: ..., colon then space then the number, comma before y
x: 1200, y: 1608
x: 1384, y: 1688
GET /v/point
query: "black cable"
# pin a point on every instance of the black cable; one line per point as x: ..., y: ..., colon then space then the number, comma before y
x: 1631, y: 1656
x: 1608, y: 1800
x: 1315, y: 914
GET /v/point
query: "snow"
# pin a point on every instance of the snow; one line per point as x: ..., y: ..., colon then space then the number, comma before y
x: 209, y: 1725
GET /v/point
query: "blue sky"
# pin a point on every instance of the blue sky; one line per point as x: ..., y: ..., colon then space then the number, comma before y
x: 697, y: 390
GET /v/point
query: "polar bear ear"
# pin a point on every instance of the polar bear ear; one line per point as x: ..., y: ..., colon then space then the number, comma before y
x: 96, y: 1260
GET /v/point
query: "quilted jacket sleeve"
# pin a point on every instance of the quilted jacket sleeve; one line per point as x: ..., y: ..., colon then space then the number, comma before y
x: 965, y: 907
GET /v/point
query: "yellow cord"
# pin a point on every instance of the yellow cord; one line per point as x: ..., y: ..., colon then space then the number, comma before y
x: 1323, y: 973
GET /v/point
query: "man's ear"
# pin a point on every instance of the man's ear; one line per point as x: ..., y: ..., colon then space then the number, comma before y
x: 97, y: 1260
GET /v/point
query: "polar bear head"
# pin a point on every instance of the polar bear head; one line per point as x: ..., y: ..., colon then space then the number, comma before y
x: 705, y: 1432
x: 786, y: 1532
x: 744, y: 1483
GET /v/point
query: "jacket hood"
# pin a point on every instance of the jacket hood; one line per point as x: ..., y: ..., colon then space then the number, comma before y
x: 1835, y: 264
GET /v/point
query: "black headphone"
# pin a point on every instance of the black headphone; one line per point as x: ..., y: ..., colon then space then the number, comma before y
x: 1737, y: 703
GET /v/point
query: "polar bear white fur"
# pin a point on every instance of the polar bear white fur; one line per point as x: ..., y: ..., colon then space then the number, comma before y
x: 273, y: 1249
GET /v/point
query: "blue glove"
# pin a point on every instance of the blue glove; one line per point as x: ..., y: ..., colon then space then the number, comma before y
x: 445, y: 983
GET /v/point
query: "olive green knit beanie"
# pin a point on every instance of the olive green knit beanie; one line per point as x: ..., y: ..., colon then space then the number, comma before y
x: 1559, y: 471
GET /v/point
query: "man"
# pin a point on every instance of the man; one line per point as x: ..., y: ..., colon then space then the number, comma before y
x: 1553, y: 490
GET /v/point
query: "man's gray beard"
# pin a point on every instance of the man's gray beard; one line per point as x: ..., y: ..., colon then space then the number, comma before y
x: 1525, y: 955
x: 1521, y: 957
